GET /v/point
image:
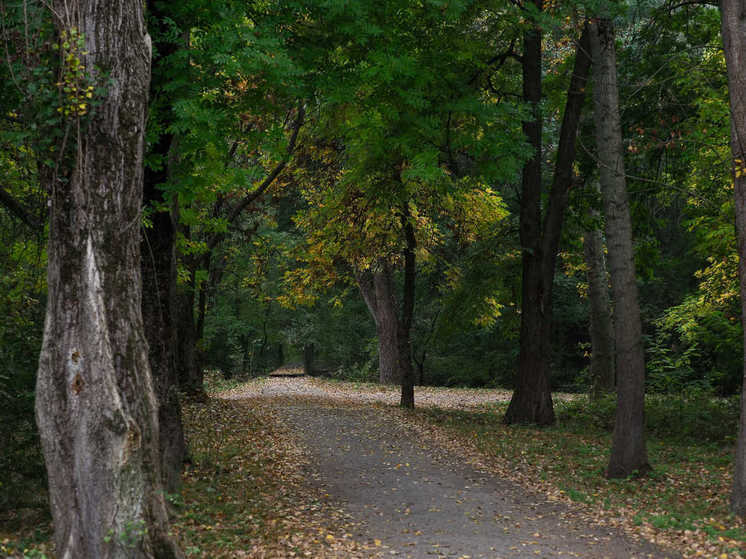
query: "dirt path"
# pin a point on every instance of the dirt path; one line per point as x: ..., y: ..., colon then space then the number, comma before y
x: 409, y: 498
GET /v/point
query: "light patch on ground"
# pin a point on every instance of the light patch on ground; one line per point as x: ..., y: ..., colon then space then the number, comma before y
x: 365, y: 393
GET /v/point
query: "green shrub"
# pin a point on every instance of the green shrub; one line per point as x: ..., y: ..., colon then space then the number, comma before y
x: 692, y: 416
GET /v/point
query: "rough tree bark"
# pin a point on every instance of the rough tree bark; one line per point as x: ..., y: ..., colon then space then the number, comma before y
x: 377, y: 289
x: 96, y: 405
x: 532, y: 399
x: 628, y: 452
x: 601, y: 327
x: 733, y: 18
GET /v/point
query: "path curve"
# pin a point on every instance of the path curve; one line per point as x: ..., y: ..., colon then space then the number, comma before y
x: 409, y: 498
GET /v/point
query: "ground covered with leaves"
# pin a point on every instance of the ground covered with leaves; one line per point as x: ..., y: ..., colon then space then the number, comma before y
x: 247, y: 492
x: 682, y: 504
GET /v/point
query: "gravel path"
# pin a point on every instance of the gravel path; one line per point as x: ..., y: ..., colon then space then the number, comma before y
x: 408, y: 498
x: 425, y: 396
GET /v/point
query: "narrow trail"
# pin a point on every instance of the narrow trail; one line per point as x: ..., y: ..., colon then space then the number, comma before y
x: 409, y: 498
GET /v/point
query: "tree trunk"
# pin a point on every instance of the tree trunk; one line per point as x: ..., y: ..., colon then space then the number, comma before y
x: 191, y: 380
x: 159, y: 286
x: 309, y: 351
x: 96, y: 405
x: 407, y: 312
x: 628, y: 452
x: 387, y: 327
x: 733, y: 13
x: 601, y: 327
x: 377, y: 289
x: 532, y: 399
x: 158, y: 306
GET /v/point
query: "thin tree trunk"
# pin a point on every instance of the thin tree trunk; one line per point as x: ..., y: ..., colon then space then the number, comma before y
x: 407, y: 312
x: 190, y: 374
x: 309, y: 351
x: 601, y: 327
x: 532, y: 399
x: 628, y: 452
x: 96, y: 405
x: 733, y: 13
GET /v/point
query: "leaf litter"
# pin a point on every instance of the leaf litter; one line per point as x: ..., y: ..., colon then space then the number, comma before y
x: 641, y: 512
x: 245, y: 493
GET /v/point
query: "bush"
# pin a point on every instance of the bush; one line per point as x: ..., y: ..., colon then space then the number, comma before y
x: 692, y: 416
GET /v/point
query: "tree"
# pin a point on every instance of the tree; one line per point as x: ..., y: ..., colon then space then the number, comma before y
x: 733, y: 20
x: 532, y: 400
x: 628, y: 452
x: 377, y: 288
x: 601, y: 327
x: 228, y: 96
x: 158, y: 260
x: 412, y: 126
x: 95, y: 403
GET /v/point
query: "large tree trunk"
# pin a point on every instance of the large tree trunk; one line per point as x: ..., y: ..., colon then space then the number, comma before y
x: 733, y: 13
x: 628, y: 452
x: 601, y: 327
x: 96, y: 405
x: 377, y: 289
x: 386, y: 327
x: 532, y: 399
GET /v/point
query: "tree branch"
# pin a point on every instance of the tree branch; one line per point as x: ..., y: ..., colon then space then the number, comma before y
x: 678, y: 5
x: 268, y: 180
x: 498, y: 59
x: 246, y: 202
x: 15, y: 208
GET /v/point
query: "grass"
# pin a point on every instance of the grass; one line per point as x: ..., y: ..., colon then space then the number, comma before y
x: 683, y: 502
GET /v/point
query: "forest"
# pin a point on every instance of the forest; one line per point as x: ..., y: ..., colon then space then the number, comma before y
x: 541, y: 196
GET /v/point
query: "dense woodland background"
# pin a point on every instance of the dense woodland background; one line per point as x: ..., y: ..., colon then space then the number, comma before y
x: 309, y: 162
